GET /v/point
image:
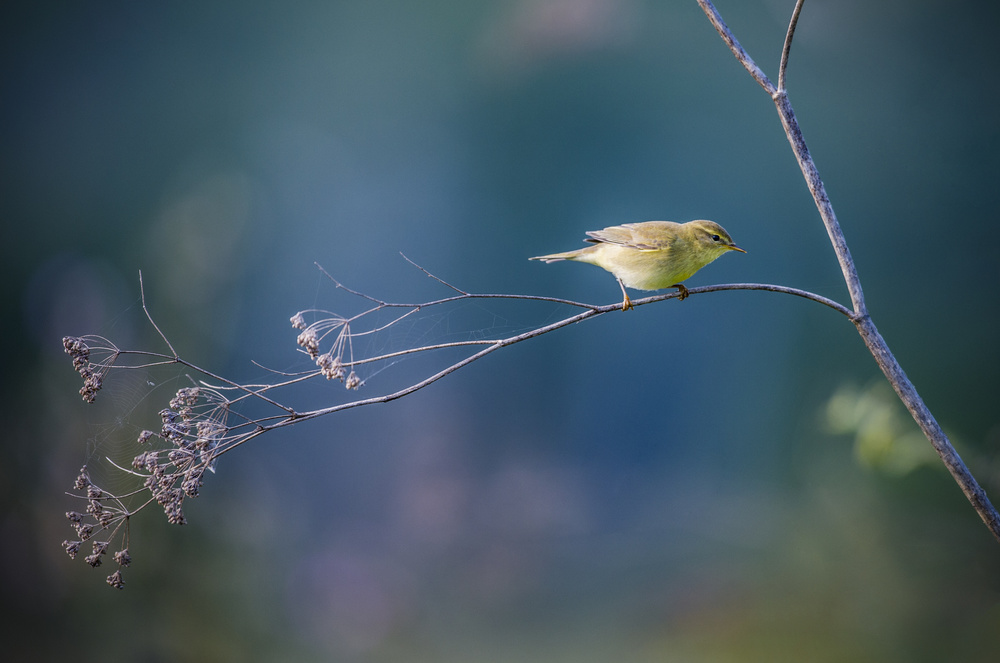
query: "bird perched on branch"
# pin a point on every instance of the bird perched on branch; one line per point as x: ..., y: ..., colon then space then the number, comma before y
x: 652, y: 255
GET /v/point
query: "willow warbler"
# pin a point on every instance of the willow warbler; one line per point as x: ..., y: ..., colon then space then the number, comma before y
x: 652, y: 255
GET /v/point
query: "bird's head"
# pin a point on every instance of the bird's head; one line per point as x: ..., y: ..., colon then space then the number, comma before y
x: 711, y: 237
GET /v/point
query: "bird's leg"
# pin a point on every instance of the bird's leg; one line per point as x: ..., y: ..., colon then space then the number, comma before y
x: 626, y: 303
x: 683, y: 292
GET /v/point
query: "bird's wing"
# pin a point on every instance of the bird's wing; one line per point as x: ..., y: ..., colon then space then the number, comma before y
x: 648, y: 236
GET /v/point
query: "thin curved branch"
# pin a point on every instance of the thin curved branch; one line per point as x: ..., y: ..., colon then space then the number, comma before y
x: 836, y: 306
x: 142, y: 295
x: 822, y: 200
x: 436, y: 278
x: 734, y: 46
x: 788, y: 45
x: 928, y: 424
x: 494, y: 345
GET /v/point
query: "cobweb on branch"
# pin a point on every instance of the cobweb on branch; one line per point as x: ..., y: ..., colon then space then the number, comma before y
x: 172, y: 420
x: 199, y: 416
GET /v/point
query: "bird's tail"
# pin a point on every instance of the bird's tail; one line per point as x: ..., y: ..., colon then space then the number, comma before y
x: 568, y: 255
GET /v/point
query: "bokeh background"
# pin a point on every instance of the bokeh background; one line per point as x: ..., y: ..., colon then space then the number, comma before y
x: 723, y: 479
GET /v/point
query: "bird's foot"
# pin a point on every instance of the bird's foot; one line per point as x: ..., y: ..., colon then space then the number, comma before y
x: 627, y: 304
x: 681, y: 290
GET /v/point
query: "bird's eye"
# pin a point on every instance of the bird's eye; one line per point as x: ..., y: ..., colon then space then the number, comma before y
x: 715, y: 238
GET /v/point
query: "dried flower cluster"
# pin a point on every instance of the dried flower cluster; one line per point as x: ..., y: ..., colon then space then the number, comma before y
x: 192, y: 435
x: 92, y: 373
x: 331, y: 364
x: 203, y: 421
x: 104, y: 513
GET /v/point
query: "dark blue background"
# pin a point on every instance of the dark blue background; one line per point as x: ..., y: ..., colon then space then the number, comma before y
x: 658, y: 485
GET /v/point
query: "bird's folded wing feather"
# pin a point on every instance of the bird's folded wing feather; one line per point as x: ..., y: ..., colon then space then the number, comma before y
x: 632, y: 235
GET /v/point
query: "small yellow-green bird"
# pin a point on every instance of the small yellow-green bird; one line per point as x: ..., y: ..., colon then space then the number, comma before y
x: 652, y: 255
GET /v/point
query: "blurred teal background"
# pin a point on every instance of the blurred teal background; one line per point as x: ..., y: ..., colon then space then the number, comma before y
x: 722, y: 479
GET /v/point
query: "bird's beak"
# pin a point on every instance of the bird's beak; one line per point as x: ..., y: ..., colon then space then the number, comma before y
x: 733, y: 247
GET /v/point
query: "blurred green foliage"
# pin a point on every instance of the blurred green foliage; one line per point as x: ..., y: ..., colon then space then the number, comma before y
x: 885, y: 436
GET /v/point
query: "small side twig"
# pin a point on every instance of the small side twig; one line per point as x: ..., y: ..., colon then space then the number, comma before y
x: 142, y: 295
x: 734, y: 45
x: 788, y: 44
x: 439, y: 280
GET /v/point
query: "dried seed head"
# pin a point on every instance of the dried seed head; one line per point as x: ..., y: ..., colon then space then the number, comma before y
x: 139, y: 461
x: 210, y: 429
x: 91, y: 385
x: 115, y: 579
x: 82, y: 479
x: 76, y: 348
x: 185, y: 397
x: 174, y: 431
x: 72, y: 548
x: 123, y: 558
x: 298, y: 322
x: 330, y: 366
x: 309, y: 342
x: 165, y: 484
x: 180, y: 458
x: 353, y: 381
x: 192, y: 484
x: 174, y: 512
x: 94, y: 559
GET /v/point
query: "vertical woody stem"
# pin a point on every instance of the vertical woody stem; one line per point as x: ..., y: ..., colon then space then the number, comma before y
x: 862, y: 320
x: 930, y: 427
x: 823, y: 204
